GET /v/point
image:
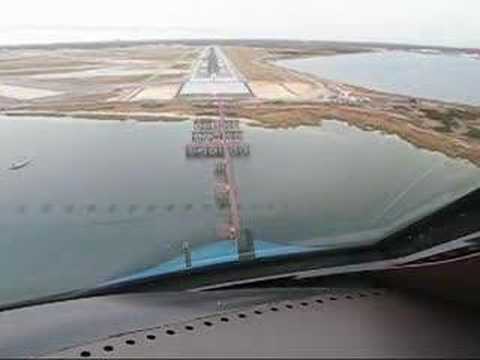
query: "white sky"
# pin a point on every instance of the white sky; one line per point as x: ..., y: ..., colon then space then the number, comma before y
x: 442, y: 22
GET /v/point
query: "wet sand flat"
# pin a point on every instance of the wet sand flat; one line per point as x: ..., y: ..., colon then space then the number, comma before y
x: 24, y: 93
x: 166, y: 92
x: 270, y: 90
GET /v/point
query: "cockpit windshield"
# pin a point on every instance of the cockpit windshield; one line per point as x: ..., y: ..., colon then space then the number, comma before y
x: 126, y: 159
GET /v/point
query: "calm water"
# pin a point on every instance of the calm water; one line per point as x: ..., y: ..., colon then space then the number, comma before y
x: 106, y: 199
x: 443, y: 77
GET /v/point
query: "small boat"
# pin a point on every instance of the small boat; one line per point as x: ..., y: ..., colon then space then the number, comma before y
x: 17, y: 165
x: 131, y: 122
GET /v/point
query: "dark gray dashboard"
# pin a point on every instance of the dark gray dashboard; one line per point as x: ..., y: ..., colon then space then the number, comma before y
x: 287, y: 322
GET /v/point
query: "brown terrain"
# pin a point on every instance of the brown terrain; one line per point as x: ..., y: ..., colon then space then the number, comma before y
x: 142, y: 82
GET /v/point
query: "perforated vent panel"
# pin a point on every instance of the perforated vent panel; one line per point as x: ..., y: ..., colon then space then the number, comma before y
x: 331, y: 324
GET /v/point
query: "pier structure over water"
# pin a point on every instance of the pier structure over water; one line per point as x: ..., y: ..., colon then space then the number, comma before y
x: 223, y: 140
x: 210, y: 140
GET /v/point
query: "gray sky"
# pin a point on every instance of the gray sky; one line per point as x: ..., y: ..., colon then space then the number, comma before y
x: 442, y: 22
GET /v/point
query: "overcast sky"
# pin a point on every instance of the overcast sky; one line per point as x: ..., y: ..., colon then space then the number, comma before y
x: 442, y: 22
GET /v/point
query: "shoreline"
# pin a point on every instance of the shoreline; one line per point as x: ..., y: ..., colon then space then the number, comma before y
x: 411, y: 134
x: 284, y: 98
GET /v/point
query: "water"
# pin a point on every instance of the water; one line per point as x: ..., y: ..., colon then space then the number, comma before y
x: 102, y: 200
x: 442, y: 77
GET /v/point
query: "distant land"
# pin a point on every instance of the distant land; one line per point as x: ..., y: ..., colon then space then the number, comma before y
x: 266, y: 43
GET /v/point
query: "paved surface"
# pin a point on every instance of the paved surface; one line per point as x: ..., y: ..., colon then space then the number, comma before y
x: 213, y: 74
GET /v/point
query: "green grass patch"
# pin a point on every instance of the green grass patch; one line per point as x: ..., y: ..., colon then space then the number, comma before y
x: 450, y: 117
x: 474, y: 133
